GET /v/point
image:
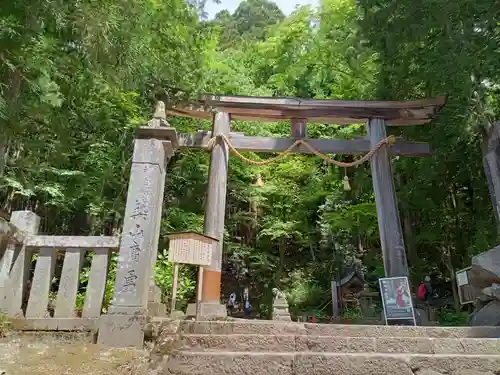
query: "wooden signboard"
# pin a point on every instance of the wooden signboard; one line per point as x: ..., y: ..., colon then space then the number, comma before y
x: 466, y: 292
x: 190, y: 248
x: 397, y: 301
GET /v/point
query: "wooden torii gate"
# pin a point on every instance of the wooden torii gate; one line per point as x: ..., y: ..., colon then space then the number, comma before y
x: 135, y: 296
x: 378, y: 114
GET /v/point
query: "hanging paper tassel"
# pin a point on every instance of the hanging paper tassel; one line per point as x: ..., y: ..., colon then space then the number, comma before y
x: 259, y: 181
x: 347, y: 185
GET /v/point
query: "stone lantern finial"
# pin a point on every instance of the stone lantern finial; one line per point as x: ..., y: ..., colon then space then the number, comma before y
x: 160, y: 111
x: 160, y: 117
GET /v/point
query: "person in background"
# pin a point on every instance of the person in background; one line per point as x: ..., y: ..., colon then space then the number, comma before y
x: 425, y: 291
x: 247, y: 307
x: 429, y: 292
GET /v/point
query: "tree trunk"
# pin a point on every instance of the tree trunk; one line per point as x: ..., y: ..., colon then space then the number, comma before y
x: 410, y: 247
x: 3, y: 153
x: 490, y: 149
x: 281, y: 266
x: 313, y: 254
x: 12, y: 115
x: 449, y: 266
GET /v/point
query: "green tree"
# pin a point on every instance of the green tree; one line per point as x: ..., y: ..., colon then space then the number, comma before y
x: 77, y: 79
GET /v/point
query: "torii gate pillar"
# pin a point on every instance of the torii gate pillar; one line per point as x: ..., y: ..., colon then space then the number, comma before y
x: 389, y: 223
x: 215, y: 211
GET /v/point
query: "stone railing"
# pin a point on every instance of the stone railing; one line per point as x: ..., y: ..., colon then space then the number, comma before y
x: 19, y: 242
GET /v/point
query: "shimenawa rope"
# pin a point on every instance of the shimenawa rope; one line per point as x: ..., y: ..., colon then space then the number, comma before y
x: 390, y: 140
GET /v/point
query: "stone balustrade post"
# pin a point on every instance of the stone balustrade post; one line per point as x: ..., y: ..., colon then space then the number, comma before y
x: 15, y: 265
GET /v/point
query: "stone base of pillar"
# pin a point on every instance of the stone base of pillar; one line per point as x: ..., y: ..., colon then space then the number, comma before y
x: 281, y: 313
x: 282, y: 318
x: 207, y: 310
x: 157, y: 309
x: 177, y: 315
x: 154, y: 292
x: 121, y: 330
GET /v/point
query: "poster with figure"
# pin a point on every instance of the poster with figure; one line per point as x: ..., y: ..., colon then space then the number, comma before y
x: 397, y: 301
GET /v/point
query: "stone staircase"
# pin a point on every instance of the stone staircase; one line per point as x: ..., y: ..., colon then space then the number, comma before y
x: 279, y: 348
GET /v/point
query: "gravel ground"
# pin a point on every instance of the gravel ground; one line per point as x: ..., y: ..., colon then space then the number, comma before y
x: 33, y: 356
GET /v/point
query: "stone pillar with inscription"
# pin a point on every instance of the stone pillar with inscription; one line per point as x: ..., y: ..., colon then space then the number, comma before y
x: 123, y: 326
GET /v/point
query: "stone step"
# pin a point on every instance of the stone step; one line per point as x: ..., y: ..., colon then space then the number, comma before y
x: 308, y: 343
x: 287, y: 328
x: 232, y: 363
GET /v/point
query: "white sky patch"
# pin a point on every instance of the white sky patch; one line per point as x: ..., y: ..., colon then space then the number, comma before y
x: 286, y: 6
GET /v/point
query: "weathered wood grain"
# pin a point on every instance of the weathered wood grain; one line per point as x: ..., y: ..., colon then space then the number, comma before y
x: 389, y: 223
x: 215, y: 207
x: 289, y: 102
x: 316, y: 110
x: 298, y: 128
x: 200, y: 113
x: 328, y: 146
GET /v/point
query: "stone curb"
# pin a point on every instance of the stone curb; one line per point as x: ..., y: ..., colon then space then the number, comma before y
x: 275, y: 328
x: 308, y: 343
x: 228, y: 363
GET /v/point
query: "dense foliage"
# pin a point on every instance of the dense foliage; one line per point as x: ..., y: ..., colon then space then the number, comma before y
x: 77, y: 77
